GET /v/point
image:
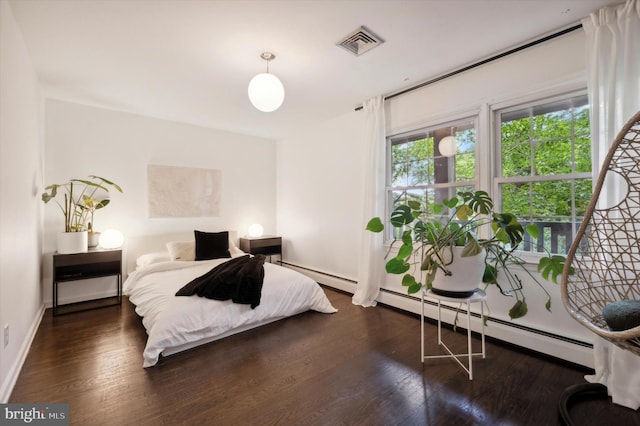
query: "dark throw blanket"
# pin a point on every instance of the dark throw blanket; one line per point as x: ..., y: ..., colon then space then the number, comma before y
x: 239, y: 279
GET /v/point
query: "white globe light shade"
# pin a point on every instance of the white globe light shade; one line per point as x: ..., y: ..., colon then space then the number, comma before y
x: 255, y: 230
x: 111, y: 239
x: 266, y: 92
x: 447, y: 146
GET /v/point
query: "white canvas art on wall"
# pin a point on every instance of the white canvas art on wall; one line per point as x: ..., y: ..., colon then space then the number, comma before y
x: 183, y: 191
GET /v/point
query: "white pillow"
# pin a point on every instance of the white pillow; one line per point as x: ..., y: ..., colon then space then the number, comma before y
x: 235, y: 251
x: 186, y: 250
x: 151, y: 258
x: 182, y: 250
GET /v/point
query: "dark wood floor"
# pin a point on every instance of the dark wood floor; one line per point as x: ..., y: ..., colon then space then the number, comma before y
x: 359, y: 366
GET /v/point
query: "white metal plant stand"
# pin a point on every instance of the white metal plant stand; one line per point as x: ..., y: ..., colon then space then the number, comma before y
x: 478, y: 296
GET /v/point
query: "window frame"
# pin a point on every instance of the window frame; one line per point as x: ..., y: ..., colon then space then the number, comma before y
x: 488, y: 155
x: 496, y: 148
x: 468, y: 117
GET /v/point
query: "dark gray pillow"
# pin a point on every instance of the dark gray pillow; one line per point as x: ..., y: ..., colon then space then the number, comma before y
x: 211, y: 245
x: 622, y: 315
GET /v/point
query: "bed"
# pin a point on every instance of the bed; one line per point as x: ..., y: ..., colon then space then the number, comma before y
x: 175, y: 323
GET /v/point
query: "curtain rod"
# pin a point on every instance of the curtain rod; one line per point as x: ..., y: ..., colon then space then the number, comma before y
x: 482, y: 62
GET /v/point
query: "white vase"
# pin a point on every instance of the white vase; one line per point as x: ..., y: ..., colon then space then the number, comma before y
x: 465, y: 278
x: 72, y: 242
x: 94, y: 239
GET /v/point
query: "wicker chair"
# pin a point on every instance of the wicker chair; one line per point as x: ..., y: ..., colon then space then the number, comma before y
x: 606, y: 254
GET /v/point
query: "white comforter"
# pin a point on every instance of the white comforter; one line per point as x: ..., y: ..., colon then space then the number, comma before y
x: 173, y: 321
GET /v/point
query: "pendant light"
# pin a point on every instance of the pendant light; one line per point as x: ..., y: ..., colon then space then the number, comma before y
x: 266, y: 92
x: 447, y: 145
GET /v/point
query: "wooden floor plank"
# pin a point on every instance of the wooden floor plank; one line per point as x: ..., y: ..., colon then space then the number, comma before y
x: 360, y: 366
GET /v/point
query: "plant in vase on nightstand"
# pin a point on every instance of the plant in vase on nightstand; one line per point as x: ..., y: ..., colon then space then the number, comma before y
x: 82, y: 197
x: 441, y: 250
x: 89, y: 206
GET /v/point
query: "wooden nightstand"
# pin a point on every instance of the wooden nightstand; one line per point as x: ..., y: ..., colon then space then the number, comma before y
x: 267, y: 245
x: 82, y: 266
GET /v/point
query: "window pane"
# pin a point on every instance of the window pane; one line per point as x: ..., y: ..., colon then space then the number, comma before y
x: 400, y: 174
x: 581, y: 120
x: 465, y: 166
x: 552, y: 157
x: 541, y: 141
x: 515, y: 128
x: 516, y: 159
x: 419, y: 172
x: 399, y: 153
x: 420, y: 149
x: 583, y: 193
x: 466, y: 141
x: 515, y: 199
x: 552, y: 124
x: 582, y: 152
x: 399, y: 170
x: 552, y: 200
x: 465, y: 159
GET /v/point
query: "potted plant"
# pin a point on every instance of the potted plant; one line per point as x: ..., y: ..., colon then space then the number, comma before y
x: 89, y: 205
x: 78, y: 208
x: 432, y: 244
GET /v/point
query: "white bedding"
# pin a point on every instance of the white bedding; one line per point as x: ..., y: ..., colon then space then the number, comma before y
x: 174, y: 321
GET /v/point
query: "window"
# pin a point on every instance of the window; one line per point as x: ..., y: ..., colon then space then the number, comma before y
x: 544, y: 168
x: 417, y: 170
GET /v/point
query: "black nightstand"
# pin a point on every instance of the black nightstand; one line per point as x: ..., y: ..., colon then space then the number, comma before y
x: 267, y: 245
x: 82, y: 266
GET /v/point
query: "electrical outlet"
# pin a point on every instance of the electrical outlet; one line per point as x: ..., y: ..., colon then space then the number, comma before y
x: 6, y: 335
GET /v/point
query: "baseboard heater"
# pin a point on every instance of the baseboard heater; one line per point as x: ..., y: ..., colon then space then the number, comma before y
x: 541, y: 341
x: 500, y: 321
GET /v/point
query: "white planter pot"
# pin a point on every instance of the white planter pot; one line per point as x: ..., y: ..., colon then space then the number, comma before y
x: 465, y: 278
x: 72, y: 242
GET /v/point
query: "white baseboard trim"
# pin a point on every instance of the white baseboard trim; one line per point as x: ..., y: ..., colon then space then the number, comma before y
x: 577, y: 352
x: 334, y: 281
x: 14, y: 371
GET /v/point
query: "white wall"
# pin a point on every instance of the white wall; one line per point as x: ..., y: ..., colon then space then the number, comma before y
x: 82, y: 140
x: 320, y: 183
x: 319, y: 187
x: 20, y: 214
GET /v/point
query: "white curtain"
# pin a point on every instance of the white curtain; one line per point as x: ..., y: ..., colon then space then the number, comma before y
x: 613, y: 73
x: 370, y: 262
x: 613, y: 79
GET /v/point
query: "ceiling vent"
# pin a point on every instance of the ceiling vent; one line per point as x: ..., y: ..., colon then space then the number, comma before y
x: 360, y: 41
